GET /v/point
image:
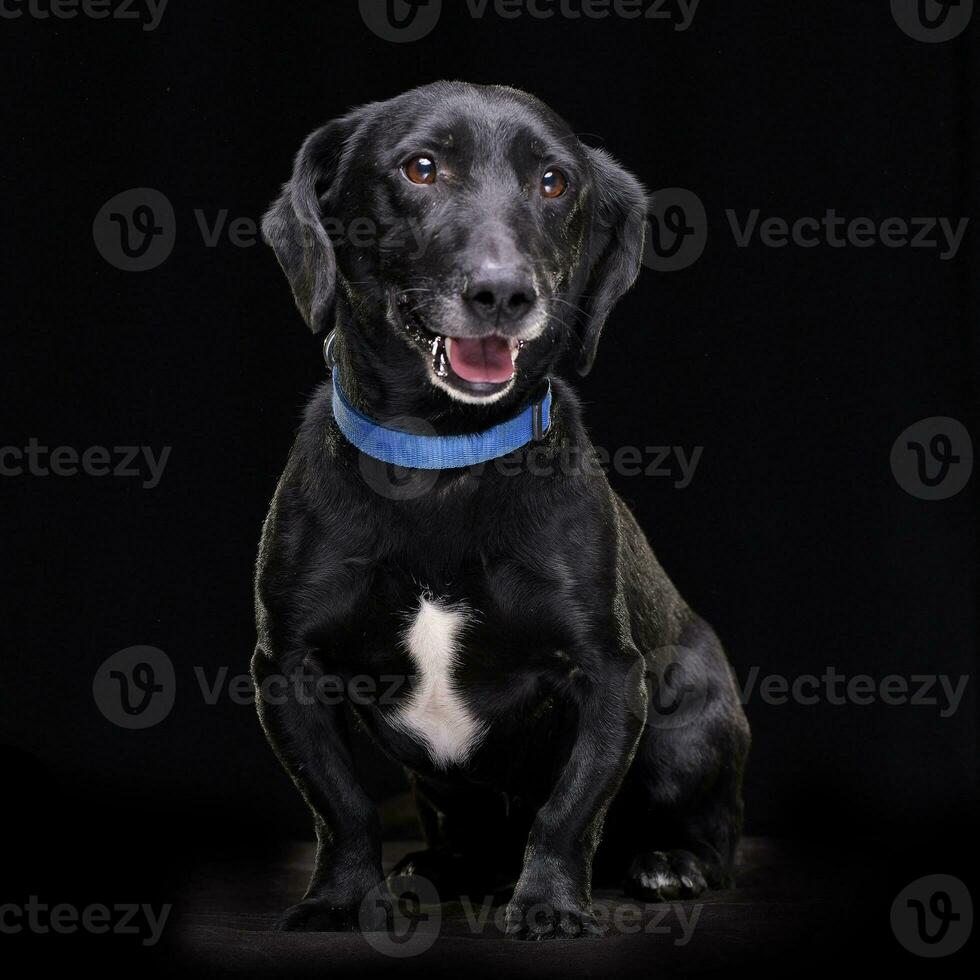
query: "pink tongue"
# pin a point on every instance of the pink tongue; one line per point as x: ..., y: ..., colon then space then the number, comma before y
x: 481, y: 359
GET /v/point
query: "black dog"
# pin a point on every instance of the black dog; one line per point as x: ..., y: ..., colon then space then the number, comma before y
x: 459, y: 239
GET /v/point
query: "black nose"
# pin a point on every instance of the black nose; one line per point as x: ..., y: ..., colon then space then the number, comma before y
x: 500, y: 294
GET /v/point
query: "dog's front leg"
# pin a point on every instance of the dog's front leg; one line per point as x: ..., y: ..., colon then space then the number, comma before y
x: 308, y: 732
x: 553, y: 896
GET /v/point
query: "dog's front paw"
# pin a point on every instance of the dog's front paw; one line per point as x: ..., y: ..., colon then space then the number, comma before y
x: 542, y: 919
x: 322, y: 915
x: 663, y: 876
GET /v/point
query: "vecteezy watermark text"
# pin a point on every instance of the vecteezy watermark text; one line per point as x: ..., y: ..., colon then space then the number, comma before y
x: 675, y: 697
x: 40, y: 918
x: 121, y: 461
x: 410, y: 906
x: 680, y: 13
x: 664, y: 462
x: 837, y: 231
x: 677, y: 231
x: 302, y: 688
x: 621, y: 918
x: 401, y: 21
x: 831, y: 687
x: 148, y: 12
x: 136, y: 688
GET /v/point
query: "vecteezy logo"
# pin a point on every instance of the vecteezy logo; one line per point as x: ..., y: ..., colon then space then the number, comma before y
x: 389, y: 480
x: 933, y: 916
x: 400, y: 20
x: 933, y: 458
x: 677, y: 230
x: 932, y: 21
x: 674, y: 701
x: 404, y: 921
x: 135, y: 687
x: 135, y: 230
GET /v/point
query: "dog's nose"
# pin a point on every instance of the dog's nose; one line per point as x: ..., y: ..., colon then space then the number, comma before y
x: 500, y: 294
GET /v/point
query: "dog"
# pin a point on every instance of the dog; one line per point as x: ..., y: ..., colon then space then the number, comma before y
x: 457, y: 242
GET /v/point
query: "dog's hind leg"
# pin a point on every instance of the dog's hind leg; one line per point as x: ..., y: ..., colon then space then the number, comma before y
x: 681, y: 810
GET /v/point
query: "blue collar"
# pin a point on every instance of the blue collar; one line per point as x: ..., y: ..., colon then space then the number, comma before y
x: 438, y: 452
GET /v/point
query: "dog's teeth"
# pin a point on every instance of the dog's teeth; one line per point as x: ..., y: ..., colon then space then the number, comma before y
x: 440, y: 350
x: 435, y: 345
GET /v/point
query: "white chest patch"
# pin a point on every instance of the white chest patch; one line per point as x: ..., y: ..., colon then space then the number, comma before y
x: 435, y: 713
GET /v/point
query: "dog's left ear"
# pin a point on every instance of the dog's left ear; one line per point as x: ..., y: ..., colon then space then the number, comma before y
x: 293, y: 226
x: 619, y: 227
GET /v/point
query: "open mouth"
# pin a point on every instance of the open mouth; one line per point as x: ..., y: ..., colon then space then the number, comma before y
x: 482, y: 366
x: 481, y: 360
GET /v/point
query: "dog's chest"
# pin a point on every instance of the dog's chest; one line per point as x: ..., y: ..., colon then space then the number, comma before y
x: 436, y: 713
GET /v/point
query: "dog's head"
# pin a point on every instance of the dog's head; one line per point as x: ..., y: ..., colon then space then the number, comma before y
x: 466, y: 234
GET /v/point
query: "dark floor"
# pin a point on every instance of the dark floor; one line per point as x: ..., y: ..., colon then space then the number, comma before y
x: 788, y: 911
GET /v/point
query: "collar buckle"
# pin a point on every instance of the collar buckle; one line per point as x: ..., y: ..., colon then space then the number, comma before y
x: 537, y: 421
x: 328, y: 346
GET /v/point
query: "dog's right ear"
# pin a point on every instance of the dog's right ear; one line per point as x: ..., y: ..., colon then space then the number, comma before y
x: 293, y: 225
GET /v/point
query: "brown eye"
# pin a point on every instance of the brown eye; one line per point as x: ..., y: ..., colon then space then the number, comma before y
x: 553, y: 183
x: 420, y: 170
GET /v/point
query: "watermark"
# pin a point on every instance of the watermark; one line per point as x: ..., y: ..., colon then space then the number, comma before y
x: 404, y: 918
x: 832, y: 230
x: 933, y: 916
x: 240, y: 232
x: 148, y: 13
x: 673, y: 697
x: 932, y: 21
x: 676, y: 695
x: 676, y: 230
x: 402, y: 21
x: 126, y: 462
x: 933, y: 458
x: 135, y: 231
x: 676, y: 464
x: 64, y: 919
x: 678, y: 13
x: 135, y: 688
x: 302, y: 687
x: 831, y: 687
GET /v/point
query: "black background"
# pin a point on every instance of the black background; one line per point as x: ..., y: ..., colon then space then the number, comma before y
x: 795, y: 370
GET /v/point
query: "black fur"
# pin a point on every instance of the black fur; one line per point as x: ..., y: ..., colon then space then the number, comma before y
x: 578, y: 639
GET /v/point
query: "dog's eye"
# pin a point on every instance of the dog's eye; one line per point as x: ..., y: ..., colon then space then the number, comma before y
x: 553, y: 183
x: 420, y: 170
